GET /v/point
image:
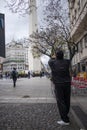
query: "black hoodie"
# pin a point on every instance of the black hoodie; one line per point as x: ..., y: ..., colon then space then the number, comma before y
x: 60, y: 70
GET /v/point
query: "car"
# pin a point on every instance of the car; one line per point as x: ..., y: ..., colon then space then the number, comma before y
x: 36, y: 73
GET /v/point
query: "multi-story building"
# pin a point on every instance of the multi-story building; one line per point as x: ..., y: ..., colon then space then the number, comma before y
x: 16, y: 56
x: 78, y: 20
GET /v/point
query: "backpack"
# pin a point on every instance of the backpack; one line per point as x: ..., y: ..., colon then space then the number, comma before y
x: 14, y: 74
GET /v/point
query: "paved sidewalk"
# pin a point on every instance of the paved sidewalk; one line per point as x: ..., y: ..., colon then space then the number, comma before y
x: 79, y: 110
x: 32, y: 116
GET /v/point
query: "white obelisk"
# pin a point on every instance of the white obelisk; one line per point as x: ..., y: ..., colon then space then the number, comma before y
x: 34, y: 63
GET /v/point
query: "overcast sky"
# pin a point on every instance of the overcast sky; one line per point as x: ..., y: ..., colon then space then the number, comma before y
x: 16, y: 27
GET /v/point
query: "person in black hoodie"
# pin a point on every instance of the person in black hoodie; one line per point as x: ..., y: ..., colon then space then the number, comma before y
x: 14, y: 75
x: 62, y: 82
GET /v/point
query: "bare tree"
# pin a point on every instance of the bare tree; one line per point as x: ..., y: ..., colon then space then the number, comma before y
x: 57, y: 31
x: 23, y: 7
x: 46, y: 41
x: 19, y: 6
x: 59, y: 16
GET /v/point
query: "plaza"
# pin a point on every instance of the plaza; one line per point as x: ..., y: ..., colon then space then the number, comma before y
x: 32, y: 106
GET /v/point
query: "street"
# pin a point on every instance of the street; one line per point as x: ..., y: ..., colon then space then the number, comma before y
x: 26, y: 89
x: 30, y: 106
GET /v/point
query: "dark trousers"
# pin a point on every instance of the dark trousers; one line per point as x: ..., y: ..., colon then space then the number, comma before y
x: 62, y: 92
x: 14, y: 81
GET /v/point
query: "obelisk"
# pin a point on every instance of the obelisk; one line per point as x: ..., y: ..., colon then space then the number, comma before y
x: 34, y: 63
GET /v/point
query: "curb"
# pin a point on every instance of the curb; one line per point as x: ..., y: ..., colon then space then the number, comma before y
x: 77, y: 120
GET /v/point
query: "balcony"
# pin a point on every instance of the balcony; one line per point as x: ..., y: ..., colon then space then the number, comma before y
x: 8, y: 61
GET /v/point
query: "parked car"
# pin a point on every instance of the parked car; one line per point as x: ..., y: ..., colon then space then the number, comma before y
x: 36, y: 73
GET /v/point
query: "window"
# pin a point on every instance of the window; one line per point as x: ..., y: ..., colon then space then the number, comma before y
x: 75, y: 13
x: 1, y: 23
x: 80, y: 46
x: 76, y: 48
x: 83, y: 67
x: 79, y: 4
x: 85, y: 40
x: 72, y: 3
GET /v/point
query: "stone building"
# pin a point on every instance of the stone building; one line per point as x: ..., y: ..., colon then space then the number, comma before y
x: 78, y: 21
x: 16, y: 56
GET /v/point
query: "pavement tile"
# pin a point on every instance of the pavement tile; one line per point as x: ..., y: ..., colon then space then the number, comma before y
x: 29, y: 116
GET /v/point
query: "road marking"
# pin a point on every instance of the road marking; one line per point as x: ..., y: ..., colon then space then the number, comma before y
x: 33, y: 98
x: 27, y: 100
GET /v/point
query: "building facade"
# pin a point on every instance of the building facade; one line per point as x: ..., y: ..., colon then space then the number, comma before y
x: 16, y: 56
x: 78, y: 21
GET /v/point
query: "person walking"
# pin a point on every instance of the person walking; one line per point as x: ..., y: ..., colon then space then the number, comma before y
x: 14, y: 75
x: 62, y: 82
x: 29, y: 74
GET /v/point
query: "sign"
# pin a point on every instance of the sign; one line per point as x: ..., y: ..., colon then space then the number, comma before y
x: 2, y: 35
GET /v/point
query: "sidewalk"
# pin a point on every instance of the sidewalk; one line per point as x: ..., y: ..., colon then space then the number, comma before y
x: 32, y: 116
x: 79, y: 110
x: 79, y: 101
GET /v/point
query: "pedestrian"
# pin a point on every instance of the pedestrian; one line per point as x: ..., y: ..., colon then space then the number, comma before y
x: 40, y: 74
x: 29, y: 74
x: 62, y: 83
x: 14, y: 75
x: 6, y: 75
x: 74, y: 73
